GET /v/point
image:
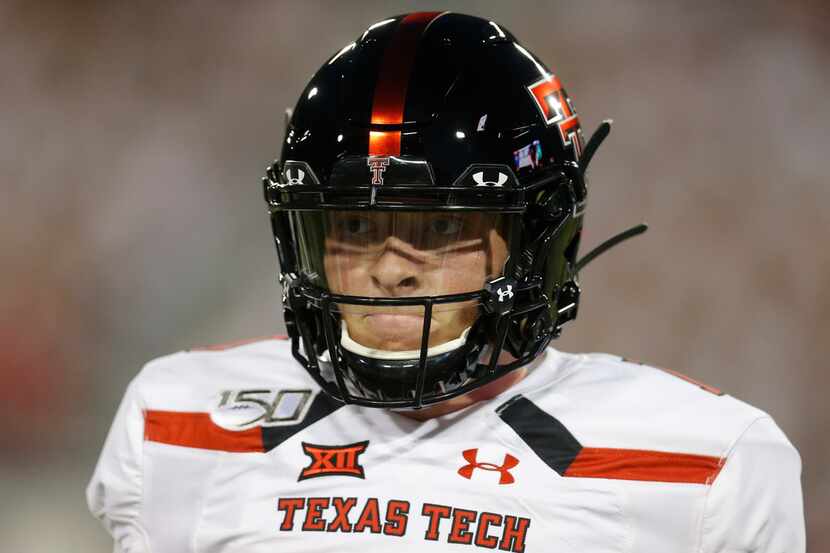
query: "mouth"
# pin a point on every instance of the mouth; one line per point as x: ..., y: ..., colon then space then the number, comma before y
x: 398, y: 325
x: 394, y: 332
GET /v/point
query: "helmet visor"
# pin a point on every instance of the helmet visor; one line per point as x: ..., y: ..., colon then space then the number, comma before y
x: 399, y: 255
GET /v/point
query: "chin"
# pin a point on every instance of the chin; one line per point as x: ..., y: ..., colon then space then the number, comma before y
x: 374, y: 337
x: 387, y: 332
x: 371, y: 341
x: 400, y: 332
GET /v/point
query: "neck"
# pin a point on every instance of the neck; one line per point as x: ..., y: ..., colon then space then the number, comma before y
x: 488, y: 391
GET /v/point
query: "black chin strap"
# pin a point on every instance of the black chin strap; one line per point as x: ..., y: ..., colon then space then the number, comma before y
x: 610, y: 243
x: 590, y: 149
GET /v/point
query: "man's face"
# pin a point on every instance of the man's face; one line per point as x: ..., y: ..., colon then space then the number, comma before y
x: 395, y: 255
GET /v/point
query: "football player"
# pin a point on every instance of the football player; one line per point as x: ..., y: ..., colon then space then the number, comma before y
x: 427, y: 210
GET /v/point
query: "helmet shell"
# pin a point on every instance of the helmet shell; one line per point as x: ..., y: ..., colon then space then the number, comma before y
x: 449, y: 88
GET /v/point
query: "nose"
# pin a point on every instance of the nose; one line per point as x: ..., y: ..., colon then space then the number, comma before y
x: 397, y: 271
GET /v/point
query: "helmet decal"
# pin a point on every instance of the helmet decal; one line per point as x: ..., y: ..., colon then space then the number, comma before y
x: 555, y: 107
x: 528, y: 156
x: 479, y: 179
x: 377, y: 165
x: 295, y: 179
x: 487, y: 175
x: 392, y: 80
x: 298, y: 173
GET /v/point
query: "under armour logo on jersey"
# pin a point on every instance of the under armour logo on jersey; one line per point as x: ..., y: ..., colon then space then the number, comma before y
x: 298, y: 177
x: 377, y: 165
x: 479, y: 179
x: 338, y: 460
x: 508, y: 293
x: 471, y: 456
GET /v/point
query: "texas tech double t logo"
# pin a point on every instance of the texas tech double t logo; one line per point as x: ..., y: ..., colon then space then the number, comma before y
x: 377, y: 165
x: 556, y: 108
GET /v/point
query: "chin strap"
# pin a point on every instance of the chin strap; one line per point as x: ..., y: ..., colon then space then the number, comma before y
x: 590, y: 149
x: 610, y: 243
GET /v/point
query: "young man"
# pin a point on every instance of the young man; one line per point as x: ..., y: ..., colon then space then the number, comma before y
x: 427, y: 210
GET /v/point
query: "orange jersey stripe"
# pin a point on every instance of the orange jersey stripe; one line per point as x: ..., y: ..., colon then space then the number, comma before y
x: 643, y: 465
x: 701, y: 385
x: 197, y: 430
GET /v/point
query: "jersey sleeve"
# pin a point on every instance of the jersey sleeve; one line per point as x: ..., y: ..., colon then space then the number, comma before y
x: 755, y: 503
x: 114, y: 494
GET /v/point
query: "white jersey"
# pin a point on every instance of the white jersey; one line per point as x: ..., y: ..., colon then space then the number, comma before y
x: 239, y: 451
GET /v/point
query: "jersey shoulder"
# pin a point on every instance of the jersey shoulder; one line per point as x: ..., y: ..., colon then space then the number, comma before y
x: 610, y: 402
x: 181, y: 381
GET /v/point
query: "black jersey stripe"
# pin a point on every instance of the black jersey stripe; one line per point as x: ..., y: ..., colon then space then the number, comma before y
x: 561, y: 451
x: 321, y: 406
x: 543, y: 433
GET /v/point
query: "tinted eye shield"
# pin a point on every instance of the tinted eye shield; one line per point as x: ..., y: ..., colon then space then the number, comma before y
x: 504, y: 301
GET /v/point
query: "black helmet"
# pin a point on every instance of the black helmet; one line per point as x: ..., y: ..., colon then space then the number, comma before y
x: 435, y: 122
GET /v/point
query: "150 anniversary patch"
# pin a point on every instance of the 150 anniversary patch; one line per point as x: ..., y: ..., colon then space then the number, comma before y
x: 243, y: 409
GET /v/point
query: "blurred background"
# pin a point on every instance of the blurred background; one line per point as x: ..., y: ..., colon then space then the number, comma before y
x: 133, y: 137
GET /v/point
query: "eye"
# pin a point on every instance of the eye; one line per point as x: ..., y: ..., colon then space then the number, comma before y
x: 354, y: 226
x: 445, y: 226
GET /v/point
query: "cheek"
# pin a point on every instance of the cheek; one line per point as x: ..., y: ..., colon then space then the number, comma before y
x: 344, y: 274
x: 448, y: 325
x: 498, y: 253
x: 461, y: 273
x: 464, y: 314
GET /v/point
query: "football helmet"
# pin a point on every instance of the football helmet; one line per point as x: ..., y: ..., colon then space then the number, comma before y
x: 427, y: 210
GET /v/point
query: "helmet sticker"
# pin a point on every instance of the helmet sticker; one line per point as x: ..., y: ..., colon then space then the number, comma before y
x: 377, y: 165
x: 528, y: 156
x: 479, y: 179
x: 555, y: 106
x: 298, y: 173
x: 297, y: 178
x: 389, y: 98
x: 487, y: 174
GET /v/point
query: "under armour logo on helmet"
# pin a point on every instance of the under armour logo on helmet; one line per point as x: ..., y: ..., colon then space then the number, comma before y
x: 508, y: 293
x: 471, y: 456
x: 479, y: 178
x: 297, y: 179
